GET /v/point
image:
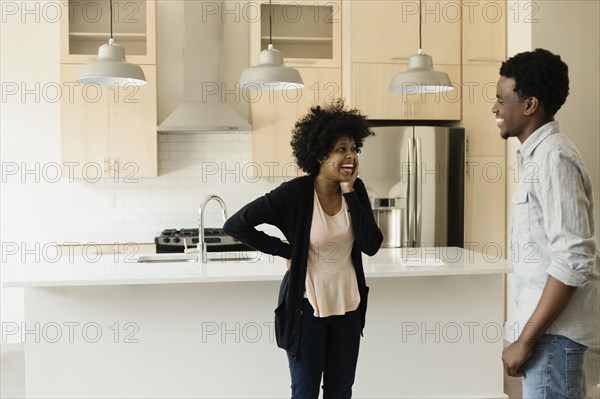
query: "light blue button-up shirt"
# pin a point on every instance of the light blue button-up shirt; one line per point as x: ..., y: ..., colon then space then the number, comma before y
x: 553, y: 233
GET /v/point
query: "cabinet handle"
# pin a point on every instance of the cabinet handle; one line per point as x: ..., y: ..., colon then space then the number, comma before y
x: 399, y: 58
x: 483, y: 60
x: 467, y: 146
x: 301, y: 62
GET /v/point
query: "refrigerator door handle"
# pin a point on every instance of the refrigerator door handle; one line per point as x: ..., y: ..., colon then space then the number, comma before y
x: 418, y: 191
x: 411, y: 185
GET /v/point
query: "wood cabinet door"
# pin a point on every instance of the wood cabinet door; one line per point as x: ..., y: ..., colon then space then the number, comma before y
x: 133, y: 135
x: 306, y: 32
x: 370, y: 94
x: 485, y: 205
x: 386, y: 31
x: 479, y: 95
x: 321, y: 86
x: 85, y: 26
x: 443, y: 105
x: 484, y: 19
x: 84, y: 127
x: 274, y: 114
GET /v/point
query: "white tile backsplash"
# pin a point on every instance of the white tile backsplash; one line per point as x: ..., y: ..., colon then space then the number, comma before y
x: 191, y: 166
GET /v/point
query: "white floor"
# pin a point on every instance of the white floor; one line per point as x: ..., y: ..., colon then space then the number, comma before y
x: 12, y: 377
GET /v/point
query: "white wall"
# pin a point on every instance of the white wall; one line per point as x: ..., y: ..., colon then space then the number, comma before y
x: 38, y: 210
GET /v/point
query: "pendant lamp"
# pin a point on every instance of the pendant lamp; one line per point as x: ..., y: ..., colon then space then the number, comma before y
x: 420, y: 76
x: 271, y: 73
x: 110, y: 68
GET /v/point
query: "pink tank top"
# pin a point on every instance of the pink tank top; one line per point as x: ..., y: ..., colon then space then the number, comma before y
x: 331, y: 285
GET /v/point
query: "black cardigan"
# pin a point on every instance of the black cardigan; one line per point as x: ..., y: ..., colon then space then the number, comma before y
x: 289, y: 207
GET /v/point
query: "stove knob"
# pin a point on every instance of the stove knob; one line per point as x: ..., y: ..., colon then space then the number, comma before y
x: 166, y: 240
x: 176, y: 239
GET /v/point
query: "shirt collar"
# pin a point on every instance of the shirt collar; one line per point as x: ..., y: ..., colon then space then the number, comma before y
x: 537, y: 137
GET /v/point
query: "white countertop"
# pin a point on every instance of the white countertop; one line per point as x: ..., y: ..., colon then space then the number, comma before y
x: 118, y: 269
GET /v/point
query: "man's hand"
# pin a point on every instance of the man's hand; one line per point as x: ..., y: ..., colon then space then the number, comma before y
x: 514, y: 356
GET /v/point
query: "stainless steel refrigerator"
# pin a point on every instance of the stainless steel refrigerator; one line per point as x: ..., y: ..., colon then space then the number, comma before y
x: 415, y: 179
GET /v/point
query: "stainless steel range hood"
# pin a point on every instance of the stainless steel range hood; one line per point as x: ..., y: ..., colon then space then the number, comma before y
x: 202, y: 108
x: 199, y: 116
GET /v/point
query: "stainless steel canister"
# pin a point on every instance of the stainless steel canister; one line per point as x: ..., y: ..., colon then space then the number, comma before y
x: 392, y: 223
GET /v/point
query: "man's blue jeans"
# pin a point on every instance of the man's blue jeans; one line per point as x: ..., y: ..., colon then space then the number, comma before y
x: 328, y: 347
x: 555, y: 370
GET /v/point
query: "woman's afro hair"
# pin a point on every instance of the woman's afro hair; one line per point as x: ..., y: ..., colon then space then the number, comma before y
x: 539, y: 74
x: 316, y: 133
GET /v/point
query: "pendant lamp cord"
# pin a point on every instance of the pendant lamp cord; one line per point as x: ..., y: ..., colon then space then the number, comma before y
x: 420, y: 23
x: 111, y: 19
x: 270, y: 22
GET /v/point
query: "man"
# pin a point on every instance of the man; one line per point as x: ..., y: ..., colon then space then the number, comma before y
x: 552, y: 239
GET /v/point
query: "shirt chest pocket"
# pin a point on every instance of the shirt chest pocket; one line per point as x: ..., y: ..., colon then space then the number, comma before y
x: 520, y: 201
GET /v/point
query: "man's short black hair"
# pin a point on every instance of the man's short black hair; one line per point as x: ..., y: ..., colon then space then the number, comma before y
x: 539, y: 74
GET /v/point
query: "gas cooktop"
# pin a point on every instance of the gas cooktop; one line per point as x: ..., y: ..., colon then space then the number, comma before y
x: 177, y: 240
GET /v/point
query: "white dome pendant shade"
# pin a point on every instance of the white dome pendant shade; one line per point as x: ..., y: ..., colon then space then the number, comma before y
x: 420, y: 77
x: 110, y: 68
x: 271, y: 73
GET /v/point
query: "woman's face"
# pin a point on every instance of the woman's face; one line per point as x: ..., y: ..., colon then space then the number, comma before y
x: 341, y: 161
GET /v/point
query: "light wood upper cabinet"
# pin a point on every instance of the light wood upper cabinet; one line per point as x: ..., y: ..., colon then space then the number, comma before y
x: 84, y: 139
x: 307, y: 32
x: 276, y: 112
x: 85, y: 26
x: 484, y: 32
x: 321, y: 86
x: 370, y: 94
x: 384, y: 35
x: 479, y: 95
x: 273, y: 118
x: 132, y: 128
x: 109, y: 131
x: 386, y: 31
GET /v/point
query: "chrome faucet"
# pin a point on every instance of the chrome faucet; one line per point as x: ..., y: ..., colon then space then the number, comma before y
x: 201, y: 244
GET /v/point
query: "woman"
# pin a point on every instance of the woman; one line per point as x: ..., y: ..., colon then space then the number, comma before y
x: 327, y: 220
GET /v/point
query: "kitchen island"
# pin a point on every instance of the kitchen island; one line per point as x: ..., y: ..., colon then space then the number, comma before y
x: 115, y: 328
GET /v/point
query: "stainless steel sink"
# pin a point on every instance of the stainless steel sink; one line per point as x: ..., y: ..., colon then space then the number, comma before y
x: 232, y: 256
x: 166, y: 258
x: 195, y: 257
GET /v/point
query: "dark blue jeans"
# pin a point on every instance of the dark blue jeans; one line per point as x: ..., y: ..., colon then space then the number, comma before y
x: 329, y: 348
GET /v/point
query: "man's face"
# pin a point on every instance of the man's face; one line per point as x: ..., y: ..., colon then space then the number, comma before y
x: 509, y: 109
